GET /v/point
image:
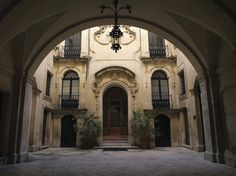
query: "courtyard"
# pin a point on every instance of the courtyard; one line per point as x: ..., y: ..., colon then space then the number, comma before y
x: 134, y: 162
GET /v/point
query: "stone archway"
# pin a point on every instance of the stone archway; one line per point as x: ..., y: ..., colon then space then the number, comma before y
x: 18, y: 30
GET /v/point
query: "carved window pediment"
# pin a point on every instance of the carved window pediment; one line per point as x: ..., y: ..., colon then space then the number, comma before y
x: 115, y: 69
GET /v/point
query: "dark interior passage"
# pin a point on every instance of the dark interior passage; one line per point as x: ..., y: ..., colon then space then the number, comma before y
x: 68, y: 134
x: 162, y: 131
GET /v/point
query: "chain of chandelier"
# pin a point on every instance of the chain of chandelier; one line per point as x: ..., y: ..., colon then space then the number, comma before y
x: 116, y: 33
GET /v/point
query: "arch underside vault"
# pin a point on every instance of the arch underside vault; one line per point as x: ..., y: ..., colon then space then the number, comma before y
x: 205, y: 33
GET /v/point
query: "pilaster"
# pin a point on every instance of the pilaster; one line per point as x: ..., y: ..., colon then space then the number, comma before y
x: 227, y: 74
x: 212, y: 118
x: 17, y: 149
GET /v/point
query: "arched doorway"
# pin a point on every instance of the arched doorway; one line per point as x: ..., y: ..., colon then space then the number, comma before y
x: 115, y: 112
x: 68, y: 134
x: 162, y: 131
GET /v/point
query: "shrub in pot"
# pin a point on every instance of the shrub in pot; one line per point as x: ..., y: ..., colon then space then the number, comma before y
x: 142, y: 129
x: 89, y: 128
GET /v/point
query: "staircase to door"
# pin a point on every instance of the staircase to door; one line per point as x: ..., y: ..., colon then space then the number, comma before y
x: 115, y: 141
x: 115, y: 118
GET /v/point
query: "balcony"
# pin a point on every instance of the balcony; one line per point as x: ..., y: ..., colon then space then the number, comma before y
x: 69, y: 101
x: 68, y: 52
x: 161, y: 102
x: 157, y: 52
x: 71, y: 51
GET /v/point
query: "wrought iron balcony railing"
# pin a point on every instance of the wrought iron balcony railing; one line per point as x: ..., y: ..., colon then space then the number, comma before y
x: 69, y: 101
x: 161, y: 101
x: 157, y: 52
x: 71, y: 51
x: 68, y: 52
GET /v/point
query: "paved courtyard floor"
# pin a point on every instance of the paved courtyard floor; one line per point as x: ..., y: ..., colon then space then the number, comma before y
x: 156, y: 162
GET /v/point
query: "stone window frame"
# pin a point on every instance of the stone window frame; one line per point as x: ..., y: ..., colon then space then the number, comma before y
x: 182, y: 81
x: 48, y: 84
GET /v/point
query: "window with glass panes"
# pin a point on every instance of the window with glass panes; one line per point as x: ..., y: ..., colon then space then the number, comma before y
x: 70, y: 89
x: 72, y: 46
x: 182, y: 83
x: 157, y: 48
x: 48, y: 83
x: 160, y: 90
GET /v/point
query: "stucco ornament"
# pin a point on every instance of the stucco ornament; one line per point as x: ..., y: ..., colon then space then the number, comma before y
x: 102, y: 35
x: 116, y: 75
x: 151, y: 64
x: 96, y: 89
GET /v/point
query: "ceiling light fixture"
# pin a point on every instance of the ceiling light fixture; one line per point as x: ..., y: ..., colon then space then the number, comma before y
x: 116, y: 33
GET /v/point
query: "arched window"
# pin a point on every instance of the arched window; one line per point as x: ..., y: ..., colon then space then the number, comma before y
x: 160, y: 90
x: 70, y: 90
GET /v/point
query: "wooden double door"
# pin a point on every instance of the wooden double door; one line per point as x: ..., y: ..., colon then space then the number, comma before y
x: 115, y: 112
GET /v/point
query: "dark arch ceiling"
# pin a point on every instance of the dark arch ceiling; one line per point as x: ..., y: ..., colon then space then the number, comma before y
x: 39, y: 22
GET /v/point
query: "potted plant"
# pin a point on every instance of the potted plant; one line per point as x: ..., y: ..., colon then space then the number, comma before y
x: 142, y: 129
x: 89, y: 128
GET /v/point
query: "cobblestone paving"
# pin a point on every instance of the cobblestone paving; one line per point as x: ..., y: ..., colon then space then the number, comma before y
x: 156, y: 162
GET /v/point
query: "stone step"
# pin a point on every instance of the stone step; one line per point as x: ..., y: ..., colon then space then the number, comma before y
x: 115, y: 138
x: 116, y: 147
x: 115, y: 144
x: 115, y: 141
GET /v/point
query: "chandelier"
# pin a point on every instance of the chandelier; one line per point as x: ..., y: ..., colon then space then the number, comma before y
x: 116, y: 33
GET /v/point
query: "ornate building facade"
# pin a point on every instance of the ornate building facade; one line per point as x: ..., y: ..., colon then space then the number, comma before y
x: 148, y: 74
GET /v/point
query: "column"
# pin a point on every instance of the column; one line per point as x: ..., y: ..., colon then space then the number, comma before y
x: 200, y: 143
x: 212, y: 118
x: 227, y: 74
x: 17, y: 149
x: 34, y: 121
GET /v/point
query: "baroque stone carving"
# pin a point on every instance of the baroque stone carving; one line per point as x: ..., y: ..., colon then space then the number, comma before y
x: 114, y: 74
x: 128, y: 34
x: 153, y: 63
x: 102, y: 35
x: 80, y: 64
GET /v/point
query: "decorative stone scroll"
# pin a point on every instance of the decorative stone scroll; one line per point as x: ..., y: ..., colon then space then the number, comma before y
x: 103, y: 38
x: 114, y: 74
x: 80, y: 64
x: 152, y: 63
